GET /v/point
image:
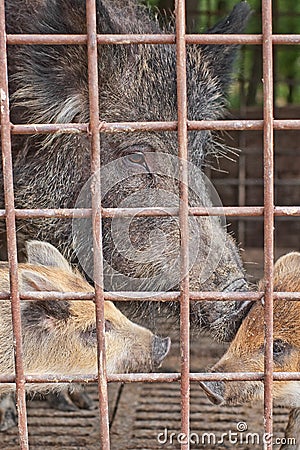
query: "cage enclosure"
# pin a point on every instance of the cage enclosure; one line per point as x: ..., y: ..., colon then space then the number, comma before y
x: 255, y: 173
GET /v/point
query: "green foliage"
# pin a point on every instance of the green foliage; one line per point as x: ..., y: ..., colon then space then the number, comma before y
x: 153, y: 3
x: 248, y: 85
x: 286, y: 19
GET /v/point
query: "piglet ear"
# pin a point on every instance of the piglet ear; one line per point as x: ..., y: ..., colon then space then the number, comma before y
x: 44, y: 254
x: 221, y: 57
x: 44, y: 314
x: 287, y: 264
x: 34, y: 281
x: 286, y: 273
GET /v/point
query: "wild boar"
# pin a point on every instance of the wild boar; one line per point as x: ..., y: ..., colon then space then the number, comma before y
x: 246, y: 351
x: 49, y: 84
x: 59, y: 337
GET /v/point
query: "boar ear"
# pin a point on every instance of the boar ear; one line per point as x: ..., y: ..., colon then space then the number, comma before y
x: 221, y: 57
x: 44, y: 254
x: 34, y: 281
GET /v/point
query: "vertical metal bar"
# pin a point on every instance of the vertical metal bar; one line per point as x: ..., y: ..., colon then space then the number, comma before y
x: 11, y: 235
x: 183, y: 219
x: 96, y: 218
x: 268, y: 210
x: 242, y: 190
x: 242, y: 175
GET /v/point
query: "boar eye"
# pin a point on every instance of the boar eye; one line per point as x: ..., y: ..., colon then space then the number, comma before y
x: 279, y: 347
x: 136, y: 158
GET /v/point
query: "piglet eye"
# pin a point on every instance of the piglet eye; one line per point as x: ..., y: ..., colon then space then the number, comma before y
x: 136, y: 158
x: 108, y: 326
x: 279, y: 347
x: 89, y: 335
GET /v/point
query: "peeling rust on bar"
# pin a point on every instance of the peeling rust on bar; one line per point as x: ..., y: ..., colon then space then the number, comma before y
x: 149, y: 296
x: 155, y: 377
x: 123, y: 39
x: 152, y: 297
x: 182, y: 134
x: 11, y: 236
x: 94, y: 127
x: 267, y: 50
x: 230, y: 211
x: 132, y: 127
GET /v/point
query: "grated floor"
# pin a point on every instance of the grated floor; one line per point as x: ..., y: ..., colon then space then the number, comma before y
x: 155, y: 421
x: 145, y: 411
x: 51, y: 429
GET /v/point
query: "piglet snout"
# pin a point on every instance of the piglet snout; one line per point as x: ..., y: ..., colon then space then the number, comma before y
x: 160, y: 349
x: 214, y: 390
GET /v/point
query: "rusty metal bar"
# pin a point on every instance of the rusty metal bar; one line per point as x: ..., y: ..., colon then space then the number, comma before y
x: 11, y: 235
x: 182, y: 134
x: 229, y: 211
x: 267, y: 50
x: 131, y: 127
x: 150, y: 296
x: 91, y: 21
x: 154, y: 377
x: 123, y: 39
x: 248, y: 125
x: 242, y: 39
x: 124, y: 296
x: 164, y: 296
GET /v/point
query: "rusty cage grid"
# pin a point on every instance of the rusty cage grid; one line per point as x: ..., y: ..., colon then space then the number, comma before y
x: 182, y: 126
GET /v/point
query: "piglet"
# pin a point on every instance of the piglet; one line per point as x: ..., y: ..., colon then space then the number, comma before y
x: 246, y: 352
x: 59, y: 337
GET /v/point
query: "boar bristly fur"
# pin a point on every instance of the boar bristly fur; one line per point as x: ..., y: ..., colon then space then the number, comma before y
x: 49, y: 84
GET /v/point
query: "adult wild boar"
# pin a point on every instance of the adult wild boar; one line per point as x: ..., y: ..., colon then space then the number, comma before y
x: 49, y: 84
x: 59, y: 337
x: 247, y: 350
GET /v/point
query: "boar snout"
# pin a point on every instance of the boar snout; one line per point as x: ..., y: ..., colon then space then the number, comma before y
x: 160, y: 349
x: 214, y: 390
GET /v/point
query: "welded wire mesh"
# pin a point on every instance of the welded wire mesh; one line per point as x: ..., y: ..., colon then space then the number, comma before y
x: 268, y: 210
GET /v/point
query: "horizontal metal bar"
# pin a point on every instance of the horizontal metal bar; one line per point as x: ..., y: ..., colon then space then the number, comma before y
x: 230, y: 211
x: 130, y: 127
x: 123, y: 296
x: 154, y: 377
x: 242, y: 39
x: 247, y: 125
x: 255, y: 182
x: 79, y: 213
x: 74, y: 128
x: 51, y: 128
x: 123, y: 39
x: 126, y: 127
x: 70, y: 213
